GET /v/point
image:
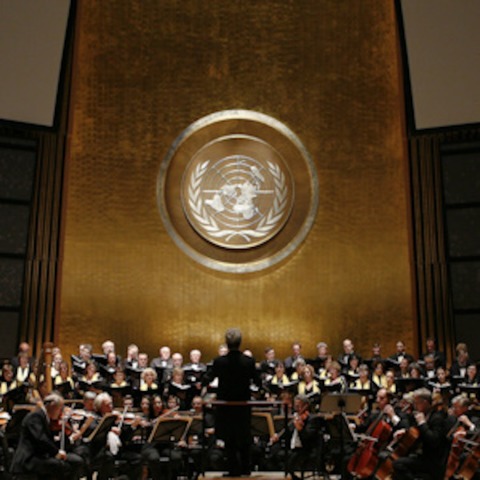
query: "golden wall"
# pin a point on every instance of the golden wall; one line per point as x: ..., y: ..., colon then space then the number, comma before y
x: 143, y: 71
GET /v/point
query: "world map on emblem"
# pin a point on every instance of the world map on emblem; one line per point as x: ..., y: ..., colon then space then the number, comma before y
x: 237, y: 201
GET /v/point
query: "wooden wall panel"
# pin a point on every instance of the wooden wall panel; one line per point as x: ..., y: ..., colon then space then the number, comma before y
x: 144, y: 70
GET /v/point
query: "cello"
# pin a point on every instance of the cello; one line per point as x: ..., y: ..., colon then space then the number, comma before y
x: 365, y: 459
x: 402, y: 448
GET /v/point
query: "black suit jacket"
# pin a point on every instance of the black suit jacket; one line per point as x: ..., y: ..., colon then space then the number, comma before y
x: 35, y: 444
x: 235, y: 372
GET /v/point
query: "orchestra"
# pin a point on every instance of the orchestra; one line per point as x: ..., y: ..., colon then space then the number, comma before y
x: 396, y: 417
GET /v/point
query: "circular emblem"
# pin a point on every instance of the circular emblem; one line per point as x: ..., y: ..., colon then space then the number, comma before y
x: 239, y: 200
x: 237, y: 191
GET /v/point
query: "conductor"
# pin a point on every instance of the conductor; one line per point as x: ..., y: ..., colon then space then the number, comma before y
x: 235, y: 372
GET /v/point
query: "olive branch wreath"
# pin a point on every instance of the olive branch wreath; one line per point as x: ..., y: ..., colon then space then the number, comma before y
x: 208, y: 223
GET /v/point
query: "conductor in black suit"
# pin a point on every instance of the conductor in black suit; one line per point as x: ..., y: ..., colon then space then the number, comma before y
x: 235, y: 372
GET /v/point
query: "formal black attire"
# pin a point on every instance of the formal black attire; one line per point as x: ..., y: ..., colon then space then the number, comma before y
x: 36, y: 451
x: 307, y: 448
x: 235, y: 372
x: 433, y: 454
x: 439, y: 358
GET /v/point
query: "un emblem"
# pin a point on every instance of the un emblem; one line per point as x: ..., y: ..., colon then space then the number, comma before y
x: 237, y: 191
x: 237, y: 200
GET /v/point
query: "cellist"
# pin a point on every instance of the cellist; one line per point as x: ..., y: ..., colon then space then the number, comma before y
x: 386, y: 413
x: 431, y: 423
x: 462, y: 424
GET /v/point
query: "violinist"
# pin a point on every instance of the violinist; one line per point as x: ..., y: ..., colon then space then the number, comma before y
x: 304, y: 437
x: 431, y: 424
x: 37, y: 452
x: 96, y: 454
x: 152, y: 453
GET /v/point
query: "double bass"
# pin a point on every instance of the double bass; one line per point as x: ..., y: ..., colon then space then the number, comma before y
x: 365, y: 459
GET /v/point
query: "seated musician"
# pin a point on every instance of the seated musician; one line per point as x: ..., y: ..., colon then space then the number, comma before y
x: 308, y: 385
x: 395, y: 420
x: 432, y: 425
x: 363, y: 381
x: 304, y: 437
x: 152, y: 453
x: 104, y: 450
x: 37, y: 452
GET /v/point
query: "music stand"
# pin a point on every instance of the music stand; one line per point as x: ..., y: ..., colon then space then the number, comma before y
x: 339, y: 405
x: 102, y: 429
x: 170, y: 429
x: 262, y: 425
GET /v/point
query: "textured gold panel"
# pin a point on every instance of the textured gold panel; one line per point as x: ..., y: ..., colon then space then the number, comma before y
x: 144, y: 71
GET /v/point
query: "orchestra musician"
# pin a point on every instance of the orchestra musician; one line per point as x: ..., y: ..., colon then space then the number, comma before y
x: 37, y: 452
x: 304, y: 438
x: 431, y: 424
